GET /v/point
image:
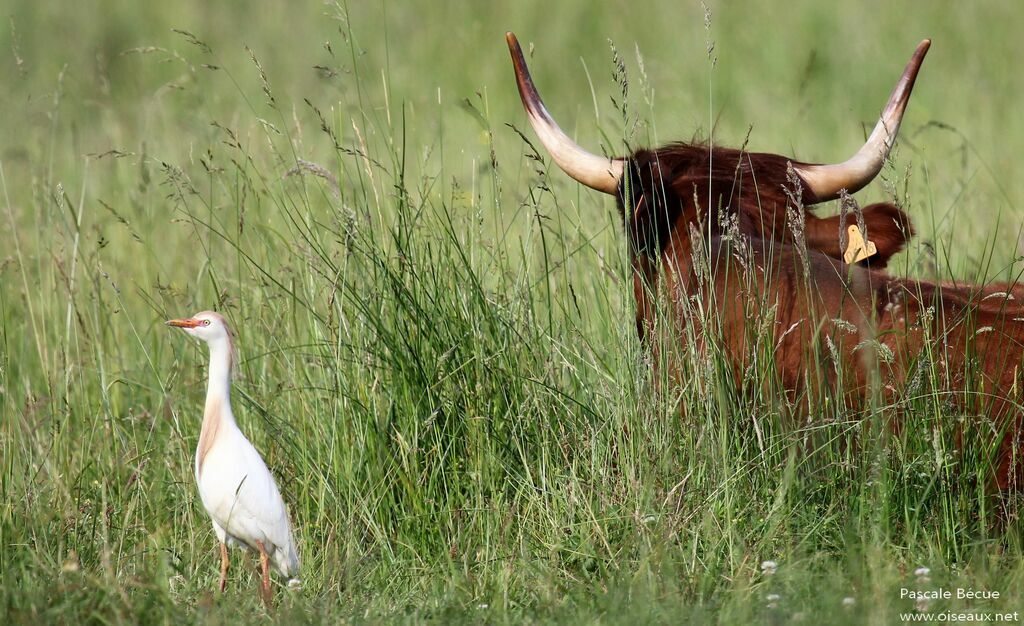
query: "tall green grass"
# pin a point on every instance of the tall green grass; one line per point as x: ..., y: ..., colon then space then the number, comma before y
x: 439, y: 359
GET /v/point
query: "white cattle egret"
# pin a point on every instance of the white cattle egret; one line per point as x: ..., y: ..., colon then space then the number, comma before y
x: 235, y: 485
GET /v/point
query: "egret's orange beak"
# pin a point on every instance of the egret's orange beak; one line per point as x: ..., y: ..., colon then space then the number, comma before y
x: 186, y: 323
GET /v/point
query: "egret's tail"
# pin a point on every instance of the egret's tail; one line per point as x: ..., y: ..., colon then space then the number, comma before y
x: 287, y: 561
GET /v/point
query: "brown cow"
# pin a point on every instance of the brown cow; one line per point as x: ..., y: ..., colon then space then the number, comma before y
x: 711, y: 229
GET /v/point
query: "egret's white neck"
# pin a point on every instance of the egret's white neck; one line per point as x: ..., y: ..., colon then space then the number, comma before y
x: 219, y: 385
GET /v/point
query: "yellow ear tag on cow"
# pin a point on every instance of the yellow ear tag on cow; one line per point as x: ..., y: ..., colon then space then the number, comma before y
x: 857, y: 248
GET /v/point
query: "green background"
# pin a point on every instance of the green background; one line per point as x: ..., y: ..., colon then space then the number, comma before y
x: 439, y: 361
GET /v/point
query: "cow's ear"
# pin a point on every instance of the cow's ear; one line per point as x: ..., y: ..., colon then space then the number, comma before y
x: 889, y: 228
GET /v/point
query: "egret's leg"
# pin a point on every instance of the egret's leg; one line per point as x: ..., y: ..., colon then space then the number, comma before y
x: 265, y: 591
x: 224, y: 563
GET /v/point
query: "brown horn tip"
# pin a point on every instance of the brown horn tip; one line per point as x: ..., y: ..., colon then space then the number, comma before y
x: 903, y: 88
x: 527, y: 90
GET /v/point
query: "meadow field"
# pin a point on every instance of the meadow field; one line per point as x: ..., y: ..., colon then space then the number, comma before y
x: 439, y: 359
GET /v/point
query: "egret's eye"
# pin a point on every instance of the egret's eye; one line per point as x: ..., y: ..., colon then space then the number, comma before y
x: 206, y: 322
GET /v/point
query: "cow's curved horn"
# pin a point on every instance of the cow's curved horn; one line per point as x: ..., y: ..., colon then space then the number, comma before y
x: 826, y: 181
x: 594, y: 171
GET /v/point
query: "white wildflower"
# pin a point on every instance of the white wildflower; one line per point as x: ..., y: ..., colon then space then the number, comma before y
x: 922, y: 573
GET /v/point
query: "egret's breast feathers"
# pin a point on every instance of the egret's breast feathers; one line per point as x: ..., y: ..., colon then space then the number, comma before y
x: 208, y: 435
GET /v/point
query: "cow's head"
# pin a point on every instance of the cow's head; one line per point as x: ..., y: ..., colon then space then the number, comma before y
x: 661, y: 191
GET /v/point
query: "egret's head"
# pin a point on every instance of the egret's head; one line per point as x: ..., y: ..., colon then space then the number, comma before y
x: 212, y: 328
x: 208, y: 326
